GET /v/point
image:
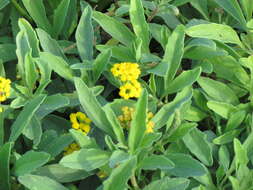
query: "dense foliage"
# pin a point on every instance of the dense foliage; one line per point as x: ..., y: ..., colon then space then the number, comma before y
x: 131, y: 94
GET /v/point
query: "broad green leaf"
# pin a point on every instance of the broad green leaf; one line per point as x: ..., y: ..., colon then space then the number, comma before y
x: 85, y: 35
x: 138, y: 124
x: 35, y: 182
x: 160, y: 33
x: 241, y: 157
x: 29, y: 162
x: 30, y: 35
x: 59, y: 17
x: 84, y: 141
x: 115, y: 28
x: 5, y: 153
x: 247, y: 8
x: 186, y: 78
x: 61, y: 174
x: 221, y: 108
x: 34, y: 130
x: 226, y: 137
x: 233, y: 8
x: 92, y: 107
x: 224, y: 157
x: 167, y: 183
x: 140, y: 26
x: 185, y: 166
x: 118, y: 157
x: 155, y: 162
x: 58, y: 64
x: 37, y: 11
x: 117, y: 128
x: 197, y: 143
x: 235, y: 120
x: 194, y: 114
x: 49, y: 45
x: 85, y: 159
x: 70, y: 20
x: 163, y: 115
x: 181, y: 131
x: 25, y: 117
x: 31, y: 73
x: 120, y: 175
x: 220, y: 32
x: 4, y: 3
x: 101, y: 63
x: 235, y: 183
x: 218, y: 91
x: 7, y: 52
x: 51, y: 104
x: 201, y: 6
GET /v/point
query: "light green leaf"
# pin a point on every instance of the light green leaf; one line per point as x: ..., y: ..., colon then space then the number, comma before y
x: 115, y: 28
x: 226, y: 137
x: 224, y: 157
x: 198, y: 145
x: 29, y: 162
x: 140, y: 26
x: 138, y: 124
x: 241, y: 157
x: 5, y: 153
x: 84, y: 141
x: 155, y: 162
x: 220, y: 32
x: 247, y: 7
x: 35, y: 182
x: 120, y: 175
x: 92, y: 107
x: 31, y: 73
x: 85, y: 159
x: 218, y: 91
x: 57, y: 64
x: 25, y: 117
x: 221, y: 108
x: 85, y: 35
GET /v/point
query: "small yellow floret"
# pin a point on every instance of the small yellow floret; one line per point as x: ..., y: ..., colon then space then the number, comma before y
x: 80, y: 122
x: 71, y: 148
x: 5, y: 88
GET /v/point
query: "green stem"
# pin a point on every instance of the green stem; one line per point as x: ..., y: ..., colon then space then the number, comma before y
x: 21, y: 10
x: 134, y: 182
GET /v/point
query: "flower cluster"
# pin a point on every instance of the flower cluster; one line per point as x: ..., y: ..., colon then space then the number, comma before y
x: 128, y: 74
x: 127, y: 116
x: 5, y: 88
x: 71, y: 148
x: 80, y: 122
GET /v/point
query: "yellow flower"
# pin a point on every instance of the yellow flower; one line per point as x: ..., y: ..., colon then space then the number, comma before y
x: 150, y: 127
x: 5, y: 88
x: 71, y: 148
x: 130, y: 90
x: 80, y: 122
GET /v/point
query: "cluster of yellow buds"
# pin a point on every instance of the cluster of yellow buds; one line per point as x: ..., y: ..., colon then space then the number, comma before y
x: 127, y: 116
x: 128, y: 74
x: 71, y: 148
x: 5, y: 88
x: 80, y: 122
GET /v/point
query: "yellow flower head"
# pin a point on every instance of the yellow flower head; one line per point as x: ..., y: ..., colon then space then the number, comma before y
x: 80, y: 122
x: 71, y: 148
x: 130, y: 90
x: 5, y: 88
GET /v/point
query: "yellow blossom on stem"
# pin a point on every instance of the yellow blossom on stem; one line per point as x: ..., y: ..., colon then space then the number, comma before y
x: 71, y: 148
x: 80, y: 122
x: 5, y: 88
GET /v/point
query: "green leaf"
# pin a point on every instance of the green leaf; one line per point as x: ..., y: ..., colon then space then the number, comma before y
x: 85, y: 35
x: 218, y: 91
x: 201, y: 6
x: 58, y: 64
x: 38, y: 13
x: 235, y: 120
x: 92, y: 107
x: 181, y: 131
x: 226, y: 137
x: 30, y: 35
x: 247, y: 8
x: 4, y: 3
x: 7, y: 52
x: 115, y: 28
x: 118, y: 157
x: 59, y: 17
x: 220, y: 32
x: 241, y: 157
x: 138, y: 123
x: 61, y: 174
x: 31, y: 73
x: 85, y: 159
x: 222, y: 109
x: 140, y: 26
x: 120, y: 175
x: 185, y: 166
x: 34, y: 131
x: 163, y: 115
x: 197, y: 143
x: 233, y: 8
x: 29, y: 162
x: 25, y: 117
x: 186, y: 78
x: 84, y: 141
x: 167, y: 183
x: 35, y: 182
x: 224, y: 157
x: 101, y: 63
x: 117, y: 128
x: 5, y: 153
x: 154, y: 162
